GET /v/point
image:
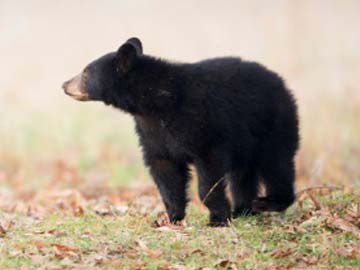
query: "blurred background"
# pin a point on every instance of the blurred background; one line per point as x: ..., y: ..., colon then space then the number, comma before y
x: 49, y: 141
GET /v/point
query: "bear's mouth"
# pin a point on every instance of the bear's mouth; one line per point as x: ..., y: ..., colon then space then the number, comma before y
x: 73, y: 88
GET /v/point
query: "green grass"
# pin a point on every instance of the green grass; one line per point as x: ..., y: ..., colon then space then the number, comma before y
x: 129, y: 241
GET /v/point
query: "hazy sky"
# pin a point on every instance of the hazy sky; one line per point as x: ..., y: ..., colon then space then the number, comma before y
x: 43, y: 43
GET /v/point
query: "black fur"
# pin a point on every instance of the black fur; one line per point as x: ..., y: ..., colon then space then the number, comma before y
x: 226, y: 116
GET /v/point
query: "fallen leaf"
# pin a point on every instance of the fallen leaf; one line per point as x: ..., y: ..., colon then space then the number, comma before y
x: 64, y: 248
x: 2, y: 231
x: 243, y: 253
x: 97, y: 259
x: 307, y: 215
x: 224, y: 263
x: 39, y: 232
x: 281, y: 253
x: 196, y: 251
x: 78, y: 211
x: 162, y: 223
x: 353, y: 215
x: 343, y: 225
x: 162, y: 220
x: 154, y: 253
x: 103, y: 210
x: 147, y: 251
x: 310, y: 260
x: 142, y: 244
x: 39, y: 244
x: 131, y: 254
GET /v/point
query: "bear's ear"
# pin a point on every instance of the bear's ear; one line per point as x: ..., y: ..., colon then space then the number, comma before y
x: 137, y: 44
x: 127, y: 54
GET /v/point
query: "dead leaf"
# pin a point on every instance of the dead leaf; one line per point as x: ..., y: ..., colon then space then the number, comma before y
x: 310, y: 260
x: 97, y: 259
x: 149, y: 252
x: 343, y: 252
x: 2, y: 231
x: 142, y: 244
x: 281, y: 253
x: 154, y: 253
x: 39, y: 244
x: 353, y: 215
x: 224, y: 263
x: 343, y: 225
x: 193, y: 252
x: 78, y: 211
x: 349, y: 252
x: 103, y: 209
x: 243, y: 253
x: 307, y: 215
x: 65, y: 248
x: 290, y: 229
x: 36, y: 232
x: 131, y: 254
x: 162, y: 220
x: 162, y: 223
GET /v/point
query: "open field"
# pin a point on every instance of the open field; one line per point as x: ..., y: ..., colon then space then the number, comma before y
x: 115, y: 229
x: 74, y: 193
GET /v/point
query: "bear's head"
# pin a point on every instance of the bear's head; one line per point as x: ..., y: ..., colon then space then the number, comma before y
x: 97, y: 81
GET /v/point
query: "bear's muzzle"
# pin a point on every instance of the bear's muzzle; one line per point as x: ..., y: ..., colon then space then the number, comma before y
x: 73, y: 88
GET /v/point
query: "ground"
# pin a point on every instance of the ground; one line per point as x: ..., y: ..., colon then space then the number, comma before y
x: 125, y: 229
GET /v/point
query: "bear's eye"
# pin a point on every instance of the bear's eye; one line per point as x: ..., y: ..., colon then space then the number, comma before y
x: 85, y: 74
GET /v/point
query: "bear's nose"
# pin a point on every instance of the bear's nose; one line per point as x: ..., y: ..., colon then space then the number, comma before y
x: 65, y: 84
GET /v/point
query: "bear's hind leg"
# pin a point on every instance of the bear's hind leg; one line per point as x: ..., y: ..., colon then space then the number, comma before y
x: 244, y: 189
x: 278, y: 177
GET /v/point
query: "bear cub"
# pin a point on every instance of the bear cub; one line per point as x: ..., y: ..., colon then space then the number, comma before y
x: 233, y: 120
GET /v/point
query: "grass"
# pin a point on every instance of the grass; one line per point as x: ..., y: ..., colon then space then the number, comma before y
x: 300, y: 239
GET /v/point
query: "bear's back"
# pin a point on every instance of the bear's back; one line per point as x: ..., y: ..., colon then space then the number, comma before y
x: 233, y: 75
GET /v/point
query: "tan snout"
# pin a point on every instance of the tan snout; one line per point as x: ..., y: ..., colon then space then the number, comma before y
x: 74, y: 88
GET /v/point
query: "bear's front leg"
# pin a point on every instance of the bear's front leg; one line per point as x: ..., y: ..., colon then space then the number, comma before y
x: 171, y: 179
x: 212, y: 192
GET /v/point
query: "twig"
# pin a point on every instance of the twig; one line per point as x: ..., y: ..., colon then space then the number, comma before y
x: 318, y: 187
x: 212, y: 188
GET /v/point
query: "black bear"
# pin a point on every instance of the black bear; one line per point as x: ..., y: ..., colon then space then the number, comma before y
x: 234, y: 120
